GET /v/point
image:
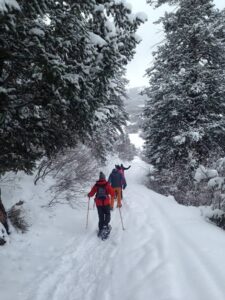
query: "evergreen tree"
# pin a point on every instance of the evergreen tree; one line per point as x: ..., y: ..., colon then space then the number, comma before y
x: 19, y: 145
x: 112, y: 29
x: 185, y: 113
x: 63, y: 68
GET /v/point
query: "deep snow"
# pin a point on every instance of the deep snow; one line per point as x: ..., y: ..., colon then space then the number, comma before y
x: 167, y: 251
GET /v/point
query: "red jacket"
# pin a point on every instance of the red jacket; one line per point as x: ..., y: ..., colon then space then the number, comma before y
x: 109, y: 192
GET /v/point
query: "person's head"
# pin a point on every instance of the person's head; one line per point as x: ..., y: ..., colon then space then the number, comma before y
x: 101, y: 176
x: 118, y: 167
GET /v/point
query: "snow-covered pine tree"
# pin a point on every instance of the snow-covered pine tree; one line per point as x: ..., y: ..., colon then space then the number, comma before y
x: 185, y: 113
x: 18, y: 112
x: 63, y: 71
x: 67, y: 63
x: 44, y: 81
x: 112, y: 30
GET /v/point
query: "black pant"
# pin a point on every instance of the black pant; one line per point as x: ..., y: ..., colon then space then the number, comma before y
x: 104, y: 216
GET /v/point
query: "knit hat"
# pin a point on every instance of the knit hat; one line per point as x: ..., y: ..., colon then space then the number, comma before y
x: 101, y: 175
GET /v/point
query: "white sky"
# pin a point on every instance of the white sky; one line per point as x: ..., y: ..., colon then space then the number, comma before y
x: 151, y: 34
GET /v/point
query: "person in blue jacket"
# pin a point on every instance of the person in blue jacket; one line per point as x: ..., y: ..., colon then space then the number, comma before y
x: 118, y: 182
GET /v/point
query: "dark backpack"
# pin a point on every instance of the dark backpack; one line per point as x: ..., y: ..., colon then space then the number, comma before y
x: 101, y: 192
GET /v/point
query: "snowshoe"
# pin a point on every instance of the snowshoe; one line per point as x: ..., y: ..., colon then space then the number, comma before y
x: 105, y: 232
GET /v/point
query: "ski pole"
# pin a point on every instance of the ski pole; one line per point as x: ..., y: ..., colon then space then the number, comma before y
x: 94, y: 205
x: 121, y: 219
x: 88, y: 212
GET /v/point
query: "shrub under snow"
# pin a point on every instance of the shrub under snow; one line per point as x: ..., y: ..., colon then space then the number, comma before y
x: 213, y: 181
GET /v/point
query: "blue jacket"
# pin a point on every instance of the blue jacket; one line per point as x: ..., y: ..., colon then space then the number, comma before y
x: 116, y: 179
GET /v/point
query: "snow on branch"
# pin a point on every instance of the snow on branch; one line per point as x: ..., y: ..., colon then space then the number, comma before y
x: 204, y: 173
x: 127, y: 5
x: 7, y: 5
x: 96, y: 39
x: 142, y: 17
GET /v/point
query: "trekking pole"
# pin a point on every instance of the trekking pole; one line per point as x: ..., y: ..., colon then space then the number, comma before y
x: 94, y: 205
x: 121, y: 219
x: 88, y: 212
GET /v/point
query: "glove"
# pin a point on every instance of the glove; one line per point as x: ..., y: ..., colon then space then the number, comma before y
x: 124, y: 186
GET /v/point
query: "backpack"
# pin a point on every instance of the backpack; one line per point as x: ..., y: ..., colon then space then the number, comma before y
x: 101, y: 192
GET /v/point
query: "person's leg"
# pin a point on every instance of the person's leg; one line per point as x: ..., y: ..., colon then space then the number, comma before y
x: 107, y: 215
x: 116, y: 194
x: 100, y: 216
x: 119, y: 204
x: 113, y: 199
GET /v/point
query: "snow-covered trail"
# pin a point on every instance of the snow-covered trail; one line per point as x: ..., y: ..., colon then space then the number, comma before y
x: 167, y: 252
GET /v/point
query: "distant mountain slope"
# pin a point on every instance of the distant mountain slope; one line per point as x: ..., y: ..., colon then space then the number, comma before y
x: 134, y: 106
x: 135, y: 101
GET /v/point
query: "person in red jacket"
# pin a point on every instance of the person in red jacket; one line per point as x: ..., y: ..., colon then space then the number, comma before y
x: 102, y: 191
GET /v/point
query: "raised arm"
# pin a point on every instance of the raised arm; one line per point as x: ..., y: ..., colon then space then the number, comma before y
x: 126, y: 168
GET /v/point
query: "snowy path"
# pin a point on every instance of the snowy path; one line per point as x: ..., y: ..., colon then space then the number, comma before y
x: 167, y: 252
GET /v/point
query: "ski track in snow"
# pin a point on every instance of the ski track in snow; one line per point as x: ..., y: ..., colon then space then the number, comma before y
x: 161, y: 255
x: 189, y: 264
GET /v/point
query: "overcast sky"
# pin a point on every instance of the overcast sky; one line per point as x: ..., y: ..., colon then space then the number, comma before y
x: 151, y: 34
